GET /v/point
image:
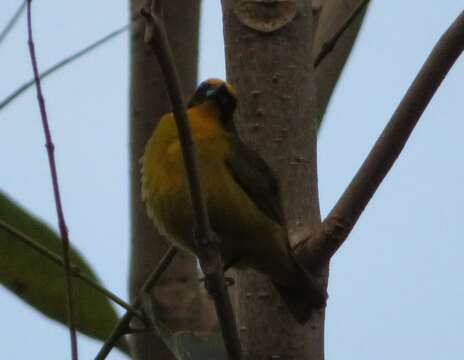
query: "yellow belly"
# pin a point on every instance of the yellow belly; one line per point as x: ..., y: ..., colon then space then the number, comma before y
x: 247, y: 236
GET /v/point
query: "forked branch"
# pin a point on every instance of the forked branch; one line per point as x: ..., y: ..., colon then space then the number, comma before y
x: 326, y: 240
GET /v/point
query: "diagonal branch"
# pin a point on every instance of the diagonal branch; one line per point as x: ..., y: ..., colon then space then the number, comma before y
x: 62, y: 63
x: 122, y: 326
x: 36, y: 246
x: 329, y: 45
x: 206, y: 244
x: 56, y: 189
x: 12, y: 21
x: 336, y: 227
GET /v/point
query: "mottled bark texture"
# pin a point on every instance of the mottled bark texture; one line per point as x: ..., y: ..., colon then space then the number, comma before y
x: 270, y: 48
x: 274, y: 76
x: 180, y: 299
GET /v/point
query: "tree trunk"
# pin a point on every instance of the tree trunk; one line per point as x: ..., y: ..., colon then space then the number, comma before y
x: 270, y: 49
x: 274, y: 77
x: 181, y: 302
x: 277, y: 112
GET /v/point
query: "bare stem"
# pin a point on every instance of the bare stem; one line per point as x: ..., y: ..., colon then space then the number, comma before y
x: 122, y: 327
x: 205, y: 241
x: 336, y: 227
x: 12, y: 21
x: 329, y: 45
x: 56, y: 190
x: 21, y: 89
x: 36, y: 246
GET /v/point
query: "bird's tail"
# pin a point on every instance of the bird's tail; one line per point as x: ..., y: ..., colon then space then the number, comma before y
x: 302, y: 300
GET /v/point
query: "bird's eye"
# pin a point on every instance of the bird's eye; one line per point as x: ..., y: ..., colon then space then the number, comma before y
x: 210, y: 91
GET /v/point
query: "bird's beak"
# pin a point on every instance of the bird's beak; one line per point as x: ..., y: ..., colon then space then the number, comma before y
x: 218, y: 91
x: 194, y: 99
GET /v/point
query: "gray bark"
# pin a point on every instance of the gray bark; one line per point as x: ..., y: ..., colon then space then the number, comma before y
x: 282, y: 101
x: 274, y: 77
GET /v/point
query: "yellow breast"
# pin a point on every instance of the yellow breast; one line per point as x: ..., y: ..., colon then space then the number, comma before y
x: 245, y: 232
x: 164, y: 185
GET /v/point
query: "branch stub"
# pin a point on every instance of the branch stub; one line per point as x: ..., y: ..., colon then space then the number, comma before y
x: 265, y: 15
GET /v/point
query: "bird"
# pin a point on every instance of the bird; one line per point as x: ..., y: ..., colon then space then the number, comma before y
x: 241, y: 193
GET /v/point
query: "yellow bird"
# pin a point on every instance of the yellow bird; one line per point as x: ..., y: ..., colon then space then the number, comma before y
x: 241, y: 193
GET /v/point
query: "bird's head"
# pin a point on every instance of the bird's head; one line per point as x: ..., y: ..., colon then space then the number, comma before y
x: 218, y: 91
x: 222, y: 95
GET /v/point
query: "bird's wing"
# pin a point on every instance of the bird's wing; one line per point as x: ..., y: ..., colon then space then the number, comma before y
x: 256, y: 179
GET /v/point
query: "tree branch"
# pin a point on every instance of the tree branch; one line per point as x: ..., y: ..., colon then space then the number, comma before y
x: 12, y: 21
x: 62, y: 63
x: 31, y: 243
x: 56, y: 190
x: 326, y: 240
x: 328, y: 46
x: 123, y: 325
x: 205, y: 242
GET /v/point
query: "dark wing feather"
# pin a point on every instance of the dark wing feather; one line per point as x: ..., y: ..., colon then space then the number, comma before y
x: 256, y: 179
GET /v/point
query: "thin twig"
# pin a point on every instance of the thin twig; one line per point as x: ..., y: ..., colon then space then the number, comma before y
x: 329, y: 45
x: 62, y: 63
x: 12, y: 21
x: 340, y: 221
x: 56, y: 190
x: 205, y: 242
x: 122, y: 327
x: 33, y: 244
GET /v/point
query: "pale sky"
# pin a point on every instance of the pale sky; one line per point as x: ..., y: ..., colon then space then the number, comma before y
x: 396, y: 287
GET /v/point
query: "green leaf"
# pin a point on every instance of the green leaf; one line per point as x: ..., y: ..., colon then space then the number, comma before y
x: 39, y: 281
